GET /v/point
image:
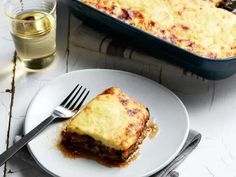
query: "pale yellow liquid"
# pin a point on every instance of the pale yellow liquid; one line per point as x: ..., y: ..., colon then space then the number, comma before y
x: 35, y: 40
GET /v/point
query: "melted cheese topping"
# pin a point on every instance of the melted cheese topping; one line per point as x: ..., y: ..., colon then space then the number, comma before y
x: 113, y: 118
x: 195, y: 25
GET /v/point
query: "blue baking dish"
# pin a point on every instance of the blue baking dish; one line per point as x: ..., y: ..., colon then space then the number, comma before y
x: 212, y: 69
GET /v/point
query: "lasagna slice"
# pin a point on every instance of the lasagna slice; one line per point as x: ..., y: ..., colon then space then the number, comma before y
x: 110, y: 127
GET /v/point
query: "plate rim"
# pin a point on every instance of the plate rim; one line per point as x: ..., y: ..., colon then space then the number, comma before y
x: 117, y: 71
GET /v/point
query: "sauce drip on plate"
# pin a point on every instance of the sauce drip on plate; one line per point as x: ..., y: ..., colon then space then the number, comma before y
x: 151, y: 131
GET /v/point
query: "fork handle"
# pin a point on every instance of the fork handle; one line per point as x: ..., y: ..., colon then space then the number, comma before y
x: 5, y: 156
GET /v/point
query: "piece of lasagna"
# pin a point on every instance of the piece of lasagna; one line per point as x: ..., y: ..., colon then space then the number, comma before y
x: 198, y: 26
x: 111, y: 126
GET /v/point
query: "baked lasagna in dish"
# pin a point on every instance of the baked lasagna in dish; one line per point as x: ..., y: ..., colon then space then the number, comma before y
x: 111, y: 126
x: 198, y: 26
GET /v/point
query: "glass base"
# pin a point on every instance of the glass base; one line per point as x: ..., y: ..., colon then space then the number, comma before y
x: 37, y: 63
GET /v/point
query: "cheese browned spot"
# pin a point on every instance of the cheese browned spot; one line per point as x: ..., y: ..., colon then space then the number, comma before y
x: 195, y: 25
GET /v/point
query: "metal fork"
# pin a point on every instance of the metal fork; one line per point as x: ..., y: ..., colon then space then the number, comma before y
x: 65, y: 110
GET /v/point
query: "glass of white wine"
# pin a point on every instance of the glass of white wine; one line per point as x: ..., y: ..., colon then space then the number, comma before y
x: 33, y: 29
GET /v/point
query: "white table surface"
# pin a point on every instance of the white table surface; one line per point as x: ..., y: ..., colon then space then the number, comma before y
x: 211, y: 104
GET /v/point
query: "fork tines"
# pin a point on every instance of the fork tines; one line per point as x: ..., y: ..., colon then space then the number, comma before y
x: 71, y: 101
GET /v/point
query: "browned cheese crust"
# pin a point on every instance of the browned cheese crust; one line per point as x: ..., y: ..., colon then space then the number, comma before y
x: 194, y: 25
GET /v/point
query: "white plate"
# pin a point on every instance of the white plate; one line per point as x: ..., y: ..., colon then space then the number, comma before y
x: 165, y: 108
